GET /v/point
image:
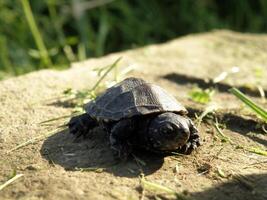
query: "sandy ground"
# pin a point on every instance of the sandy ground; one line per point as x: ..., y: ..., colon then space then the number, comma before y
x: 217, y: 170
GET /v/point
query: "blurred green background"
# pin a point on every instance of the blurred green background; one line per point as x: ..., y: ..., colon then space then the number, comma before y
x: 37, y: 34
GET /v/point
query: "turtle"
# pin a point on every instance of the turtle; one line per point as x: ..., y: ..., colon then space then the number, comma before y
x: 138, y: 114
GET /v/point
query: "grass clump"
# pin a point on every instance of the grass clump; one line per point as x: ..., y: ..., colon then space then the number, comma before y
x: 201, y: 96
x: 65, y: 31
x: 79, y: 98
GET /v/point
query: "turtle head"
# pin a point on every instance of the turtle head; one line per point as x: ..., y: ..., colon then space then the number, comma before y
x: 168, y: 131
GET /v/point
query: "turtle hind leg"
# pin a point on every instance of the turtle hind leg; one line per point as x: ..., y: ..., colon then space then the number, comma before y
x: 81, y: 125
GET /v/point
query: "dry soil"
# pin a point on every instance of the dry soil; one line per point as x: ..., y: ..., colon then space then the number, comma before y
x: 217, y: 170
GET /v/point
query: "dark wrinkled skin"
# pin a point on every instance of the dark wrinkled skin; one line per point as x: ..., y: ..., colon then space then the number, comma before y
x: 161, y: 132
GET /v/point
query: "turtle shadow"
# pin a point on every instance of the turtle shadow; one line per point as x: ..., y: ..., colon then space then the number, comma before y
x: 183, y: 79
x: 94, y: 153
x: 236, y: 123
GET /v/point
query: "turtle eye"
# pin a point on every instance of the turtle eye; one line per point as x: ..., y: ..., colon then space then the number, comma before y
x: 167, y: 129
x: 157, y: 144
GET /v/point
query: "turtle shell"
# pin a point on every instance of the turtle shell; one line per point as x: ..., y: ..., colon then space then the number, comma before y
x: 132, y: 97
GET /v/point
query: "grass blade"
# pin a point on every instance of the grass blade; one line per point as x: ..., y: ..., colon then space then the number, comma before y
x: 36, y: 33
x: 35, y: 139
x: 209, y: 109
x: 257, y: 151
x: 223, y: 137
x: 58, y: 118
x: 10, y: 181
x: 257, y: 109
x: 90, y: 169
x: 106, y: 73
x: 154, y: 187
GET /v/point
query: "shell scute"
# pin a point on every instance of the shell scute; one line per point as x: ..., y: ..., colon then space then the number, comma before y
x: 132, y: 97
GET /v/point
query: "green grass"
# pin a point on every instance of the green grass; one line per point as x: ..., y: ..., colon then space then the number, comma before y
x: 223, y: 137
x: 201, y: 96
x: 37, y: 34
x: 79, y: 98
x: 211, y: 108
x: 259, y: 111
x: 114, y: 65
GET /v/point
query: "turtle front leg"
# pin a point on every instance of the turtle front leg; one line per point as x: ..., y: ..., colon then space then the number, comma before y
x: 81, y: 125
x: 119, y: 138
x: 193, y: 141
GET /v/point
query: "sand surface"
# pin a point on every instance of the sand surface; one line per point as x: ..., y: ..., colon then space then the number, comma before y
x: 217, y: 170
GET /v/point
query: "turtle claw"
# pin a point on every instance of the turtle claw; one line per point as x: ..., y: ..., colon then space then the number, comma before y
x: 190, y: 146
x: 119, y: 155
x: 121, y: 152
x: 193, y: 142
x: 73, y: 129
x: 77, y: 131
x: 80, y: 125
x: 79, y: 134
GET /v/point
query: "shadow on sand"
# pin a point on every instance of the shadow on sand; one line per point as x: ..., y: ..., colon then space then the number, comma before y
x: 61, y: 149
x: 232, y: 121
x: 94, y: 152
x: 236, y: 124
x: 249, y: 187
x: 183, y: 79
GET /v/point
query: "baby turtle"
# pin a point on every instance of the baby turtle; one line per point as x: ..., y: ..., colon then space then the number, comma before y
x: 138, y: 114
